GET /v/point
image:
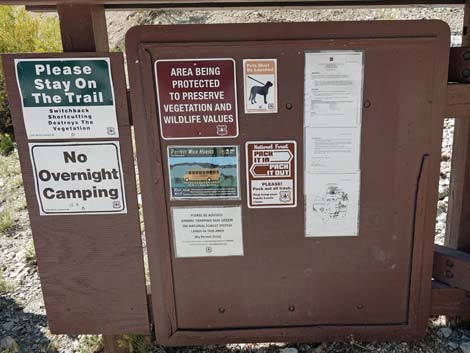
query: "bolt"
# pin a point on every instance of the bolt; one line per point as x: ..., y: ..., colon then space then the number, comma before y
x: 466, y: 55
x: 449, y: 263
x: 221, y: 310
x: 289, y: 106
x: 199, y: 133
x: 466, y: 73
x: 359, y: 306
x: 449, y: 274
x: 291, y: 308
x: 367, y: 103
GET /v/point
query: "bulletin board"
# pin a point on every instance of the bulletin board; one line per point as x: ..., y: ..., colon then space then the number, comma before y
x: 289, y: 176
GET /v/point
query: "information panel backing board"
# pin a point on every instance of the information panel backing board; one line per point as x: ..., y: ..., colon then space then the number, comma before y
x: 79, y: 180
x: 288, y: 282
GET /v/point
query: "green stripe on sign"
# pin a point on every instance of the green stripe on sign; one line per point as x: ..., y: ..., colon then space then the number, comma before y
x: 63, y: 83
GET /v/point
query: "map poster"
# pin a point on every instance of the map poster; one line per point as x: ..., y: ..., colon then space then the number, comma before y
x: 204, y: 172
x: 332, y: 204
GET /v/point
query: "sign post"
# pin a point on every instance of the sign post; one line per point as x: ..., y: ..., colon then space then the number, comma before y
x: 72, y: 128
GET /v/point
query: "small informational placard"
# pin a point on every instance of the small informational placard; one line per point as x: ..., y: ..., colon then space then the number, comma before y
x: 78, y: 178
x: 332, y: 135
x: 67, y: 98
x: 260, y: 85
x: 207, y: 231
x: 271, y: 168
x: 204, y: 172
x: 197, y: 98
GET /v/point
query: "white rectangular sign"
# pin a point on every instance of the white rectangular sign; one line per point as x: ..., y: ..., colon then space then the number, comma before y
x: 207, y: 231
x: 78, y: 178
x: 67, y: 98
x: 332, y: 135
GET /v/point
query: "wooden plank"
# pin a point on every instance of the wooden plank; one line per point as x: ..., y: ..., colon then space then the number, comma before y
x: 91, y: 267
x: 458, y: 100
x: 83, y: 27
x: 42, y: 5
x: 111, y: 344
x: 458, y: 217
x: 452, y: 267
x: 449, y: 301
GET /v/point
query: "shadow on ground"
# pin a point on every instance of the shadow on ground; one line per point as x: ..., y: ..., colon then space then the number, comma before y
x: 27, y: 329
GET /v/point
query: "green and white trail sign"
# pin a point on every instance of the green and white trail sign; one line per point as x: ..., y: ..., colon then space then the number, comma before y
x: 67, y: 98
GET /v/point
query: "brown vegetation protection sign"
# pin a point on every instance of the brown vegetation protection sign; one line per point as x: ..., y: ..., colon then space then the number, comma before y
x: 197, y: 98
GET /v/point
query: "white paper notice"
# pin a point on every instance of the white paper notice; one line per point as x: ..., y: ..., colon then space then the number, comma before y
x: 332, y: 205
x: 332, y: 135
x: 333, y: 88
x: 207, y: 231
x: 332, y: 150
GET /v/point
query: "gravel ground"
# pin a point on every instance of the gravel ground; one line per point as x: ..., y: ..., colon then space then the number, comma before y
x: 22, y: 315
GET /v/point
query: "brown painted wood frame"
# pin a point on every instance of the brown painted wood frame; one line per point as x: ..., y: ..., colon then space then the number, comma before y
x: 48, y: 5
x: 154, y: 192
x: 91, y: 266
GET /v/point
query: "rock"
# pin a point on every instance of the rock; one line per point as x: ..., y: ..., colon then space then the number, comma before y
x: 445, y: 331
x: 465, y: 347
x: 445, y: 157
x: 294, y: 350
x: 453, y: 345
x: 443, y: 191
x: 8, y: 326
x: 9, y: 344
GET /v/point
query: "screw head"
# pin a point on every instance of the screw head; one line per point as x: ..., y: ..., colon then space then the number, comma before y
x: 291, y: 308
x: 221, y: 310
x: 466, y: 55
x: 367, y: 103
x: 359, y: 306
x: 466, y: 73
x: 289, y: 106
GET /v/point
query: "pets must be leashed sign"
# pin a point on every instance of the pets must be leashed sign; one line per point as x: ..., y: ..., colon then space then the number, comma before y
x: 260, y: 85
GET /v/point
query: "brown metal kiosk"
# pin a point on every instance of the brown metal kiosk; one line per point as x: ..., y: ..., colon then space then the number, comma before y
x: 287, y: 286
x: 275, y: 276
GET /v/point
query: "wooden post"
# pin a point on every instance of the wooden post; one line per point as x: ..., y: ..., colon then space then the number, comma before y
x: 83, y: 29
x: 111, y: 344
x: 458, y: 218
